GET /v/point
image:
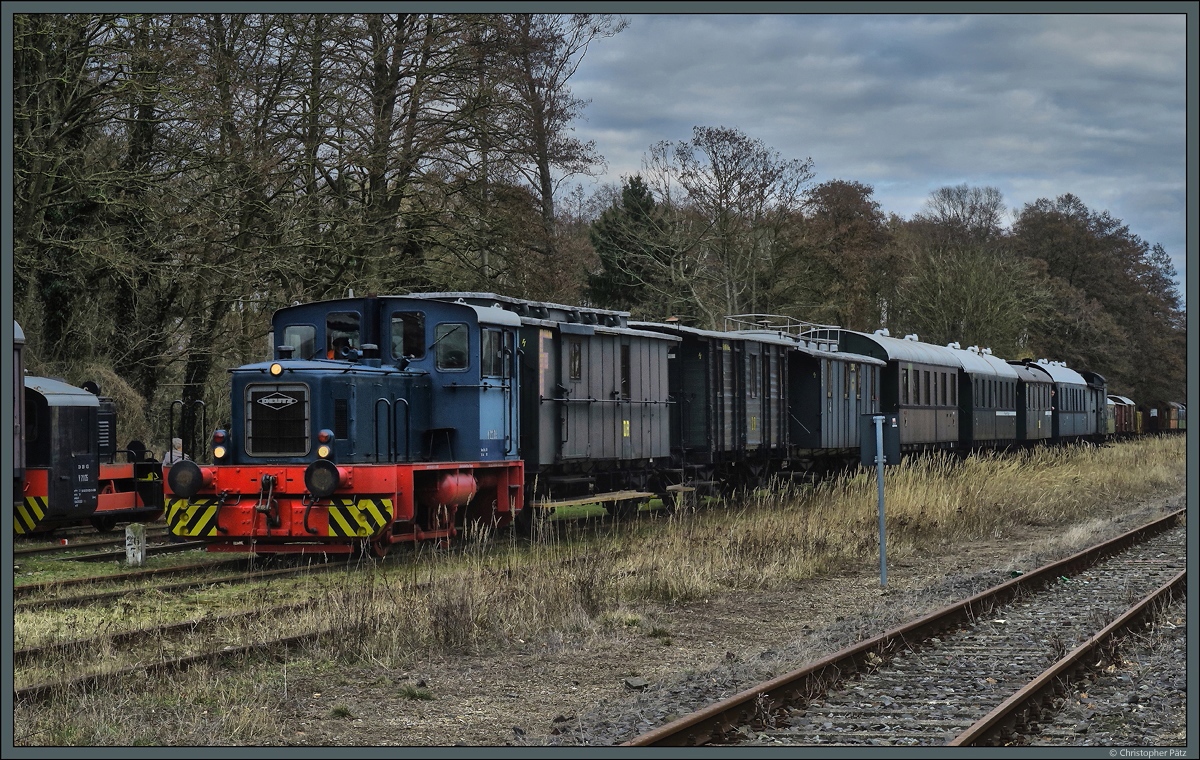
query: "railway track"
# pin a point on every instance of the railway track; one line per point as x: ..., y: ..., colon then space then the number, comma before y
x: 66, y: 545
x: 249, y: 576
x: 984, y: 671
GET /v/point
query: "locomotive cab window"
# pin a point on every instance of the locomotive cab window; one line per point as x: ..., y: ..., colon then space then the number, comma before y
x: 342, y: 332
x: 302, y: 339
x: 451, y: 342
x: 408, y: 334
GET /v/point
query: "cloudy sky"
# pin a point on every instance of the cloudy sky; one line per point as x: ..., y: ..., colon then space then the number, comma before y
x: 1033, y: 105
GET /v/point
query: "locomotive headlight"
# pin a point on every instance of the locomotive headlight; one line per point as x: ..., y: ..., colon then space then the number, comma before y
x: 219, y: 452
x: 322, y: 478
x: 186, y: 478
x: 323, y: 451
x: 276, y: 369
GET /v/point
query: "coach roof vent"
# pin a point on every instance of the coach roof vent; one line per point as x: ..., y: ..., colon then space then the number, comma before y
x: 883, y: 331
x: 913, y: 337
x: 955, y: 344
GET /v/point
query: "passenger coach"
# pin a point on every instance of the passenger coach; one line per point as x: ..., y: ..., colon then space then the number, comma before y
x: 919, y: 384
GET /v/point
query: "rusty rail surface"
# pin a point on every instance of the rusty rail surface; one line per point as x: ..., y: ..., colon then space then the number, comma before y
x: 703, y: 726
x: 1000, y: 722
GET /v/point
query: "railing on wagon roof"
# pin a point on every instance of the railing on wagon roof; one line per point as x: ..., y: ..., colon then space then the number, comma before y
x: 810, y: 333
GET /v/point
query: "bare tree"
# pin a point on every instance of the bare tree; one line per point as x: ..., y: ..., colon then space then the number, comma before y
x: 965, y: 214
x: 735, y: 197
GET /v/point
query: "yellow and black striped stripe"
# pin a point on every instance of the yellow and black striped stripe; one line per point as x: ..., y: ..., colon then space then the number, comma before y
x: 192, y: 518
x: 358, y: 519
x: 29, y: 513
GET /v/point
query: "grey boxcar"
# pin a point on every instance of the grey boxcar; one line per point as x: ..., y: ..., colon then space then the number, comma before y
x: 729, y: 401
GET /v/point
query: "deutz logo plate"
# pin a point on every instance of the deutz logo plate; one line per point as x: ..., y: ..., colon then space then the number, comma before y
x: 277, y: 401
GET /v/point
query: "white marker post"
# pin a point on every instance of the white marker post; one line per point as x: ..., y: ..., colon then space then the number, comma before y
x: 135, y: 544
x: 879, y: 462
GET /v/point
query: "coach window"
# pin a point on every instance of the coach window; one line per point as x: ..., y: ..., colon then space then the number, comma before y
x: 954, y: 391
x: 576, y: 363
x: 927, y: 398
x: 302, y: 339
x: 904, y: 386
x: 752, y: 360
x: 857, y: 380
x: 451, y: 342
x: 408, y: 334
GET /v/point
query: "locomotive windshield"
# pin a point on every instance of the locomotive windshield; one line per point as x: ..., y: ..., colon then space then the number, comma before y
x: 302, y: 339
